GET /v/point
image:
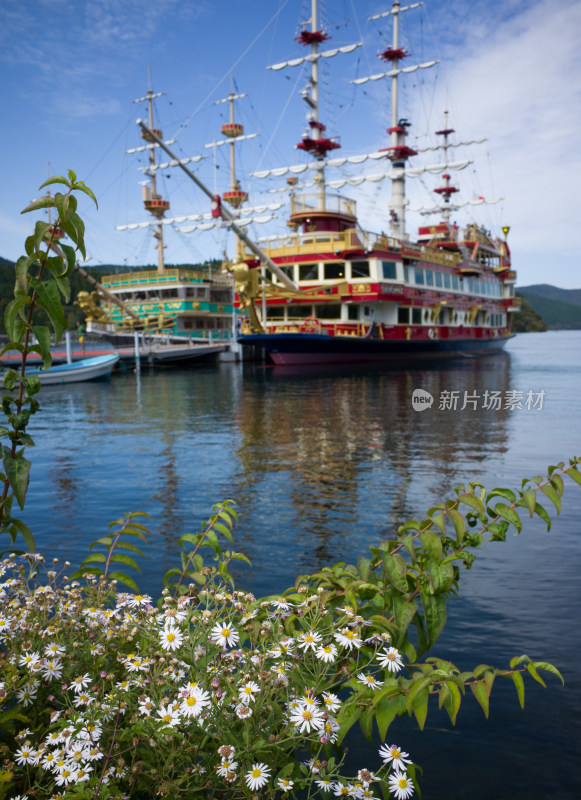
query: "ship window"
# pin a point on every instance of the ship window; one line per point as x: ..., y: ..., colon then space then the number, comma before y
x: 202, y: 292
x: 438, y: 277
x: 308, y: 272
x: 389, y: 271
x: 429, y: 277
x: 455, y: 282
x: 168, y: 293
x: 366, y: 311
x: 360, y: 269
x: 352, y: 312
x: 446, y: 280
x: 331, y: 311
x: 188, y: 324
x: 333, y: 270
x: 300, y: 311
x: 189, y: 292
x: 419, y: 275
x: 275, y: 312
x: 288, y: 271
x: 403, y: 315
x: 416, y: 316
x: 200, y: 324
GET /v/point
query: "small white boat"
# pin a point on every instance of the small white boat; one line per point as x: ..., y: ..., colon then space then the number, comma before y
x: 86, y: 369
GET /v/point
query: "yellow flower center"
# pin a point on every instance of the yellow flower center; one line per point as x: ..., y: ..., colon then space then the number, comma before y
x: 171, y: 636
x: 191, y: 701
x: 226, y: 632
x: 402, y: 783
x: 256, y: 773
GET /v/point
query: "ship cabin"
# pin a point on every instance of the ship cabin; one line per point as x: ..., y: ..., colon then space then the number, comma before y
x: 180, y: 302
x: 451, y: 283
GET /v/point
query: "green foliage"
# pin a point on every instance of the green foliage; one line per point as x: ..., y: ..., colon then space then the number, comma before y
x: 41, y: 279
x: 526, y: 319
x: 559, y: 308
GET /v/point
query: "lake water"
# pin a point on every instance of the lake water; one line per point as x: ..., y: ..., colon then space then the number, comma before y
x: 325, y: 463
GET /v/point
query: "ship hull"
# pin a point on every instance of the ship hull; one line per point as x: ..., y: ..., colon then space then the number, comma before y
x: 289, y: 349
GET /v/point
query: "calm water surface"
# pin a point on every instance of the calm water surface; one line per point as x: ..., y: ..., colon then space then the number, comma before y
x: 325, y: 463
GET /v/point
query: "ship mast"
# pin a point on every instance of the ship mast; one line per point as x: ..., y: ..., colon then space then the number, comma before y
x: 235, y: 196
x: 151, y: 199
x: 447, y: 189
x: 314, y: 141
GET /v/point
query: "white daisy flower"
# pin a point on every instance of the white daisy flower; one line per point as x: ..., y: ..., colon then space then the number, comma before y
x: 285, y: 785
x: 146, y: 706
x: 52, y: 669
x: 331, y: 702
x: 243, y: 712
x: 138, y: 600
x: 246, y: 693
x: 257, y: 777
x: 225, y: 635
x: 401, y: 785
x: 348, y: 638
x: 327, y: 653
x: 171, y: 638
x: 196, y: 700
x: 324, y: 785
x: 81, y: 682
x: 307, y: 718
x: 226, y: 768
x: 169, y: 715
x: 26, y: 755
x: 309, y: 640
x: 395, y: 755
x: 390, y: 658
x: 369, y: 681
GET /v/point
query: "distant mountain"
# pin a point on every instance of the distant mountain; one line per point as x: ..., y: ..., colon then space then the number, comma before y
x: 553, y: 293
x: 559, y: 308
x: 526, y: 320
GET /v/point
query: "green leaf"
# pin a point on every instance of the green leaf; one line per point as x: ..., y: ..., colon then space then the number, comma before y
x: 432, y: 544
x: 31, y: 384
x: 42, y: 336
x: 9, y: 378
x: 434, y: 613
x: 42, y: 202
x: 520, y: 687
x: 452, y: 702
x: 396, y: 569
x: 363, y: 565
x: 420, y: 707
x: 509, y: 514
x: 125, y: 579
x: 529, y: 499
x: 55, y: 179
x: 574, y: 474
x: 11, y: 316
x: 49, y: 299
x: 550, y: 492
x: 404, y: 612
x: 506, y: 493
x: 474, y: 502
x: 543, y: 515
x: 532, y: 671
x: 62, y: 203
x: 94, y: 558
x: 224, y: 530
x: 549, y: 668
x: 18, y: 473
x: 346, y: 718
x: 441, y: 576
x: 459, y: 524
x: 386, y: 711
x: 21, y: 269
x: 121, y: 558
x: 41, y: 229
x: 20, y: 527
x: 366, y: 722
x: 481, y: 694
x: 80, y: 186
x: 70, y: 256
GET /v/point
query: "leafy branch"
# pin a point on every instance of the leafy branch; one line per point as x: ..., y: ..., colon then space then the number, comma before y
x: 41, y: 277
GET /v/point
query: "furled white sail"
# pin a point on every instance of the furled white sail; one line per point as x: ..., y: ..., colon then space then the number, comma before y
x: 411, y: 172
x: 224, y: 223
x: 144, y: 147
x: 397, y: 10
x: 246, y: 211
x: 295, y: 62
x: 450, y: 144
x: 393, y: 72
x: 233, y: 139
x: 425, y: 210
x: 175, y: 162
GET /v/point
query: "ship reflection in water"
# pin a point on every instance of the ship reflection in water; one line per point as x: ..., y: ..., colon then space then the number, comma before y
x: 336, y: 455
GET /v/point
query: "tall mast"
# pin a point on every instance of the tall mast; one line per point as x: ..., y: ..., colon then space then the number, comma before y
x: 235, y: 196
x: 151, y: 199
x: 447, y: 189
x: 314, y: 141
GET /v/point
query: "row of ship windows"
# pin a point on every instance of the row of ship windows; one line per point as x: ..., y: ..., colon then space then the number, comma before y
x: 388, y: 270
x: 198, y: 293
x: 405, y: 314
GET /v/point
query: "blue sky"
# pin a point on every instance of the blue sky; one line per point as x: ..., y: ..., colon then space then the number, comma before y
x: 510, y: 72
